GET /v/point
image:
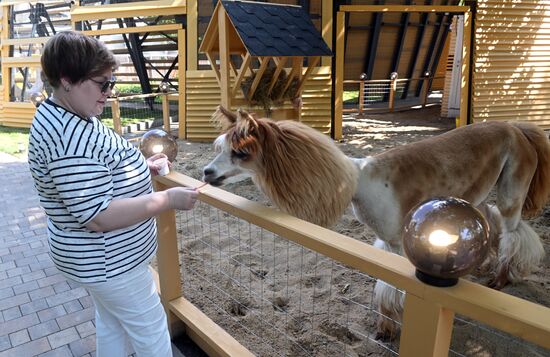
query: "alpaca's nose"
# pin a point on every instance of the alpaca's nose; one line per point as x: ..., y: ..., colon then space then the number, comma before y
x: 208, y: 172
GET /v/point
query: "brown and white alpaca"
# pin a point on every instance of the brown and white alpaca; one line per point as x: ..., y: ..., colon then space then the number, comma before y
x: 305, y: 174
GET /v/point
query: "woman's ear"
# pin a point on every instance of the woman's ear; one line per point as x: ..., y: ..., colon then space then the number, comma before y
x: 65, y: 84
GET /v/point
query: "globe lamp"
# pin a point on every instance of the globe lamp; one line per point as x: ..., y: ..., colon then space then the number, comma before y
x: 37, y: 98
x: 164, y: 87
x: 157, y: 141
x: 445, y: 238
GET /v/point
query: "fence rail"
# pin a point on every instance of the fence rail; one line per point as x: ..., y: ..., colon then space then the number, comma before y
x: 429, y: 311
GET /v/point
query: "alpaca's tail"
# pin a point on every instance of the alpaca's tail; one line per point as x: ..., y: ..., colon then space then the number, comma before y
x: 539, y: 189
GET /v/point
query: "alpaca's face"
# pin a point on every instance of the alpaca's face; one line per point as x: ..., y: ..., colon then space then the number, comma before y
x: 228, y: 166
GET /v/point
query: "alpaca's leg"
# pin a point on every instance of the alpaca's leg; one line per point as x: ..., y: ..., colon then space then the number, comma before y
x: 389, y: 302
x: 520, y: 252
x: 520, y: 249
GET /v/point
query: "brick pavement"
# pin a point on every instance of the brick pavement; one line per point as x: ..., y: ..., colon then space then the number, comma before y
x: 41, y: 313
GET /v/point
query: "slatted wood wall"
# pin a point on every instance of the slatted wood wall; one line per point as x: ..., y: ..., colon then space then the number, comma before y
x: 203, y: 96
x: 511, y: 79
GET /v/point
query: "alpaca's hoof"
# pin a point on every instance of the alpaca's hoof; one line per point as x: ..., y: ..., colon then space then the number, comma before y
x: 386, y: 335
x: 500, y: 280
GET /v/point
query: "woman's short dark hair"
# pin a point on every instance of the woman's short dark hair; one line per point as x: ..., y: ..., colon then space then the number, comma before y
x: 75, y: 56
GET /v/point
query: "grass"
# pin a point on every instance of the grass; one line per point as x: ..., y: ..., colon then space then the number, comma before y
x: 351, y: 97
x: 14, y: 141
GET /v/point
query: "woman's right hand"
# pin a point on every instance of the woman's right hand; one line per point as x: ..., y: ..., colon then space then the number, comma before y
x: 182, y: 198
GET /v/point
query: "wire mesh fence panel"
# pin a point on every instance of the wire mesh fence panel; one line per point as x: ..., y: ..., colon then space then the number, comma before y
x: 278, y: 298
x: 275, y: 297
x: 471, y: 338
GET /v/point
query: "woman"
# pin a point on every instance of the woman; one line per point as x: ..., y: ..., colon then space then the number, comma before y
x: 96, y: 190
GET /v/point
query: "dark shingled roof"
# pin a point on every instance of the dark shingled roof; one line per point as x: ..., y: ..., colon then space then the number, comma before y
x: 275, y: 30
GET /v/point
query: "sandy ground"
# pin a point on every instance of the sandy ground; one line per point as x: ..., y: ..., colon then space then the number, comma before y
x: 307, y: 332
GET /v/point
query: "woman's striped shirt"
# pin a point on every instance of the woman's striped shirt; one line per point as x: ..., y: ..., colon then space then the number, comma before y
x: 79, y: 166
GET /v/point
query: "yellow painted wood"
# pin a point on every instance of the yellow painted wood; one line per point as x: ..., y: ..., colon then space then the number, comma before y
x: 224, y: 46
x: 465, y: 74
x: 33, y: 61
x: 115, y: 109
x: 295, y: 72
x: 23, y: 41
x: 403, y: 8
x: 241, y: 73
x: 182, y: 85
x: 192, y: 35
x: 212, y: 60
x: 427, y: 328
x: 205, y: 332
x: 339, y: 76
x: 123, y: 10
x: 280, y: 63
x: 165, y: 113
x: 168, y: 263
x: 264, y: 61
x: 140, y: 29
x: 311, y: 65
x: 326, y: 28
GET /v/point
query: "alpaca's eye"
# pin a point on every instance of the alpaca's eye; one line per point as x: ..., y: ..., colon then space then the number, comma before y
x: 239, y: 154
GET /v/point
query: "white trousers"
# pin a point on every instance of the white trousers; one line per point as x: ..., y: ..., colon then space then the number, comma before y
x: 129, y: 308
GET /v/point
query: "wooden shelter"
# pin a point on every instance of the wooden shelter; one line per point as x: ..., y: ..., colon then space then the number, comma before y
x: 242, y: 33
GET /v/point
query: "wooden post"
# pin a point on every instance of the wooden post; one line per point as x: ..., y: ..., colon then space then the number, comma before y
x: 361, y: 96
x: 425, y: 85
x: 465, y: 74
x: 168, y: 264
x: 223, y: 27
x: 165, y: 112
x: 115, y: 110
x: 393, y: 88
x: 339, y: 76
x: 426, y: 330
x: 182, y: 73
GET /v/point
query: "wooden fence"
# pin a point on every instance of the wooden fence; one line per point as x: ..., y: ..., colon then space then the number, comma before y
x: 428, y: 311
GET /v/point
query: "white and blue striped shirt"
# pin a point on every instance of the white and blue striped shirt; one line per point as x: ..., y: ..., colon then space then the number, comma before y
x: 79, y: 166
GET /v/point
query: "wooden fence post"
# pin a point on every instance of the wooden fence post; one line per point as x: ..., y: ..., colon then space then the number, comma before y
x: 425, y: 88
x: 115, y: 110
x: 393, y: 88
x: 168, y: 264
x: 361, y: 95
x: 165, y: 112
x: 426, y: 330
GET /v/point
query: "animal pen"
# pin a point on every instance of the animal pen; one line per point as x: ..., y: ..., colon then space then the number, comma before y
x: 223, y: 268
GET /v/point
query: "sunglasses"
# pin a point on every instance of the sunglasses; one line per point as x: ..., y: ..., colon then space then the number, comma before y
x: 103, y: 86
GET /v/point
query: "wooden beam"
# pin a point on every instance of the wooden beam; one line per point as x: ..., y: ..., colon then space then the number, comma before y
x: 23, y: 41
x: 339, y: 77
x: 465, y: 74
x: 241, y: 73
x: 182, y: 83
x: 192, y: 36
x: 225, y: 85
x: 326, y: 28
x: 404, y: 8
x: 264, y: 61
x: 139, y: 29
x: 295, y: 72
x: 310, y: 67
x: 214, y: 66
x: 128, y: 10
x: 280, y: 62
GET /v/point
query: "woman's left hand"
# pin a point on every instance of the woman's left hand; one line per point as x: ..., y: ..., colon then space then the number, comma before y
x: 155, y: 168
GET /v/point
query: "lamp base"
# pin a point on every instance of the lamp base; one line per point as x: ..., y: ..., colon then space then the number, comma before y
x: 434, y: 280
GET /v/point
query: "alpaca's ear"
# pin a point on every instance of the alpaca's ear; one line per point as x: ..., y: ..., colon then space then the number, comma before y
x: 223, y: 118
x: 245, y: 121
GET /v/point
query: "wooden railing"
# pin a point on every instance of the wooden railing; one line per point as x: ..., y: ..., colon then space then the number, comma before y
x: 428, y: 311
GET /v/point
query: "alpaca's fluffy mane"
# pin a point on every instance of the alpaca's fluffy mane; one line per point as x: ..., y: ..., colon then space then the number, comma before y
x: 301, y: 170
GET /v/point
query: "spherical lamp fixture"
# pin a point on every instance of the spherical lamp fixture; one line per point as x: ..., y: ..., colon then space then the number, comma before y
x: 445, y: 238
x: 164, y: 86
x: 158, y: 141
x: 37, y: 98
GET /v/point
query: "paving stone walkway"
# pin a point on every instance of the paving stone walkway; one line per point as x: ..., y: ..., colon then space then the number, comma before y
x: 41, y: 313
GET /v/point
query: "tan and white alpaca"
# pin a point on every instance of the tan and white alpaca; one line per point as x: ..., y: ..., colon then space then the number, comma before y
x: 305, y: 174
